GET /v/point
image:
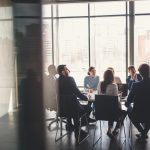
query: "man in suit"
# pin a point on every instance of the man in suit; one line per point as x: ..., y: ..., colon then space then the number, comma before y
x: 140, y: 97
x: 133, y: 77
x: 67, y: 86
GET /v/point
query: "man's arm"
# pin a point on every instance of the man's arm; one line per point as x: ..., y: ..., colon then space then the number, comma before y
x: 131, y: 95
x: 76, y: 90
x: 130, y: 82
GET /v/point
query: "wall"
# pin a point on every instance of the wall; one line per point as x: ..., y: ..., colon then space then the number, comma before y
x: 8, y: 99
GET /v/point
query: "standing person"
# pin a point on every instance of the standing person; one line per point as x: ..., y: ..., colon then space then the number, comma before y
x: 140, y: 97
x: 109, y: 87
x: 67, y: 86
x: 133, y: 77
x: 91, y: 81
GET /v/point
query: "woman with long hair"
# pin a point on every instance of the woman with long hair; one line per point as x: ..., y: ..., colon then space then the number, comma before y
x: 109, y: 87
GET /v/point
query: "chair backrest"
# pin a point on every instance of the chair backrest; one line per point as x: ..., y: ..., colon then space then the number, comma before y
x: 123, y: 87
x: 67, y: 105
x: 106, y: 107
x: 50, y: 92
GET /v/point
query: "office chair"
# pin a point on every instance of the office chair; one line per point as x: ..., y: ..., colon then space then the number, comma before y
x: 68, y: 112
x: 106, y: 108
x: 50, y: 95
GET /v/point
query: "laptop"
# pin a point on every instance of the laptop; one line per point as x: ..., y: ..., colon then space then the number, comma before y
x: 123, y: 88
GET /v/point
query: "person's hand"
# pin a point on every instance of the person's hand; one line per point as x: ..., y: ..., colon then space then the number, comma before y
x: 133, y: 76
x: 90, y: 90
x: 120, y: 94
x: 89, y: 96
x: 127, y: 104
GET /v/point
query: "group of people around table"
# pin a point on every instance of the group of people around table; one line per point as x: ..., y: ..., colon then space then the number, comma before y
x: 139, y: 95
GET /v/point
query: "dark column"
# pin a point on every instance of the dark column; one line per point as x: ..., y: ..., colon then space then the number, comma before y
x: 131, y: 31
x: 28, y: 42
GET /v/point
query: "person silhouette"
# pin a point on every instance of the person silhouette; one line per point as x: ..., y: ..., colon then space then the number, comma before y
x: 50, y: 89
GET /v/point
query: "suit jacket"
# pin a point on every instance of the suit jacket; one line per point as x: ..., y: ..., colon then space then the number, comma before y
x: 68, y: 90
x: 129, y: 81
x: 140, y: 96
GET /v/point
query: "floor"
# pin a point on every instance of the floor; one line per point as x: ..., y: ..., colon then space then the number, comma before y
x: 9, y: 137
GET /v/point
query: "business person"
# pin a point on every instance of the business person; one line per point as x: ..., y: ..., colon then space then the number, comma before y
x: 140, y: 97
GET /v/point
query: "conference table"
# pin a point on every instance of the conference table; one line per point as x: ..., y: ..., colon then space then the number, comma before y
x: 91, y: 97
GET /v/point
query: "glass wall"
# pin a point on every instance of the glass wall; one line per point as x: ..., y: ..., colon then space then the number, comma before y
x: 27, y: 35
x: 27, y: 32
x: 7, y: 60
x: 98, y: 33
x: 72, y: 47
x: 142, y: 32
x: 86, y: 34
x: 47, y: 37
x: 108, y: 45
x: 108, y: 37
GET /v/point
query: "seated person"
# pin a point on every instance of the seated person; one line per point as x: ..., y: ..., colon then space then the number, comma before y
x: 140, y: 97
x: 133, y: 77
x: 67, y: 86
x: 50, y: 93
x: 117, y: 79
x: 91, y: 81
x: 109, y: 87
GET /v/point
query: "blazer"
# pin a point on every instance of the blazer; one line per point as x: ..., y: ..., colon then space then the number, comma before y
x: 67, y: 86
x: 140, y: 97
x: 129, y: 81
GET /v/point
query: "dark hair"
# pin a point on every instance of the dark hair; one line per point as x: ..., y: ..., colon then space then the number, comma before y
x: 90, y: 69
x: 131, y: 67
x: 60, y: 68
x: 111, y: 68
x: 108, y: 78
x: 144, y: 70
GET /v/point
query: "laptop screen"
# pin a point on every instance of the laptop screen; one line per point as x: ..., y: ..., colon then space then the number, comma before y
x: 123, y: 88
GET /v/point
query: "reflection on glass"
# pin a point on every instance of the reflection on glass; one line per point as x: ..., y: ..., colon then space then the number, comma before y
x: 108, y: 45
x: 142, y: 40
x: 71, y: 46
x: 7, y: 61
x: 27, y: 34
x: 26, y: 9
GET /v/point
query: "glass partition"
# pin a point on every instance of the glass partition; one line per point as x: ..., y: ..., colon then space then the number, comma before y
x: 71, y: 46
x: 108, y: 47
x: 84, y: 34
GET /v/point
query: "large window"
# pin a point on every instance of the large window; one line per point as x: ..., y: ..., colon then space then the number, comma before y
x: 86, y: 34
x: 65, y: 10
x: 7, y: 60
x: 142, y: 40
x: 142, y: 32
x: 47, y: 34
x: 72, y: 46
x: 107, y: 8
x: 47, y: 43
x: 108, y: 45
